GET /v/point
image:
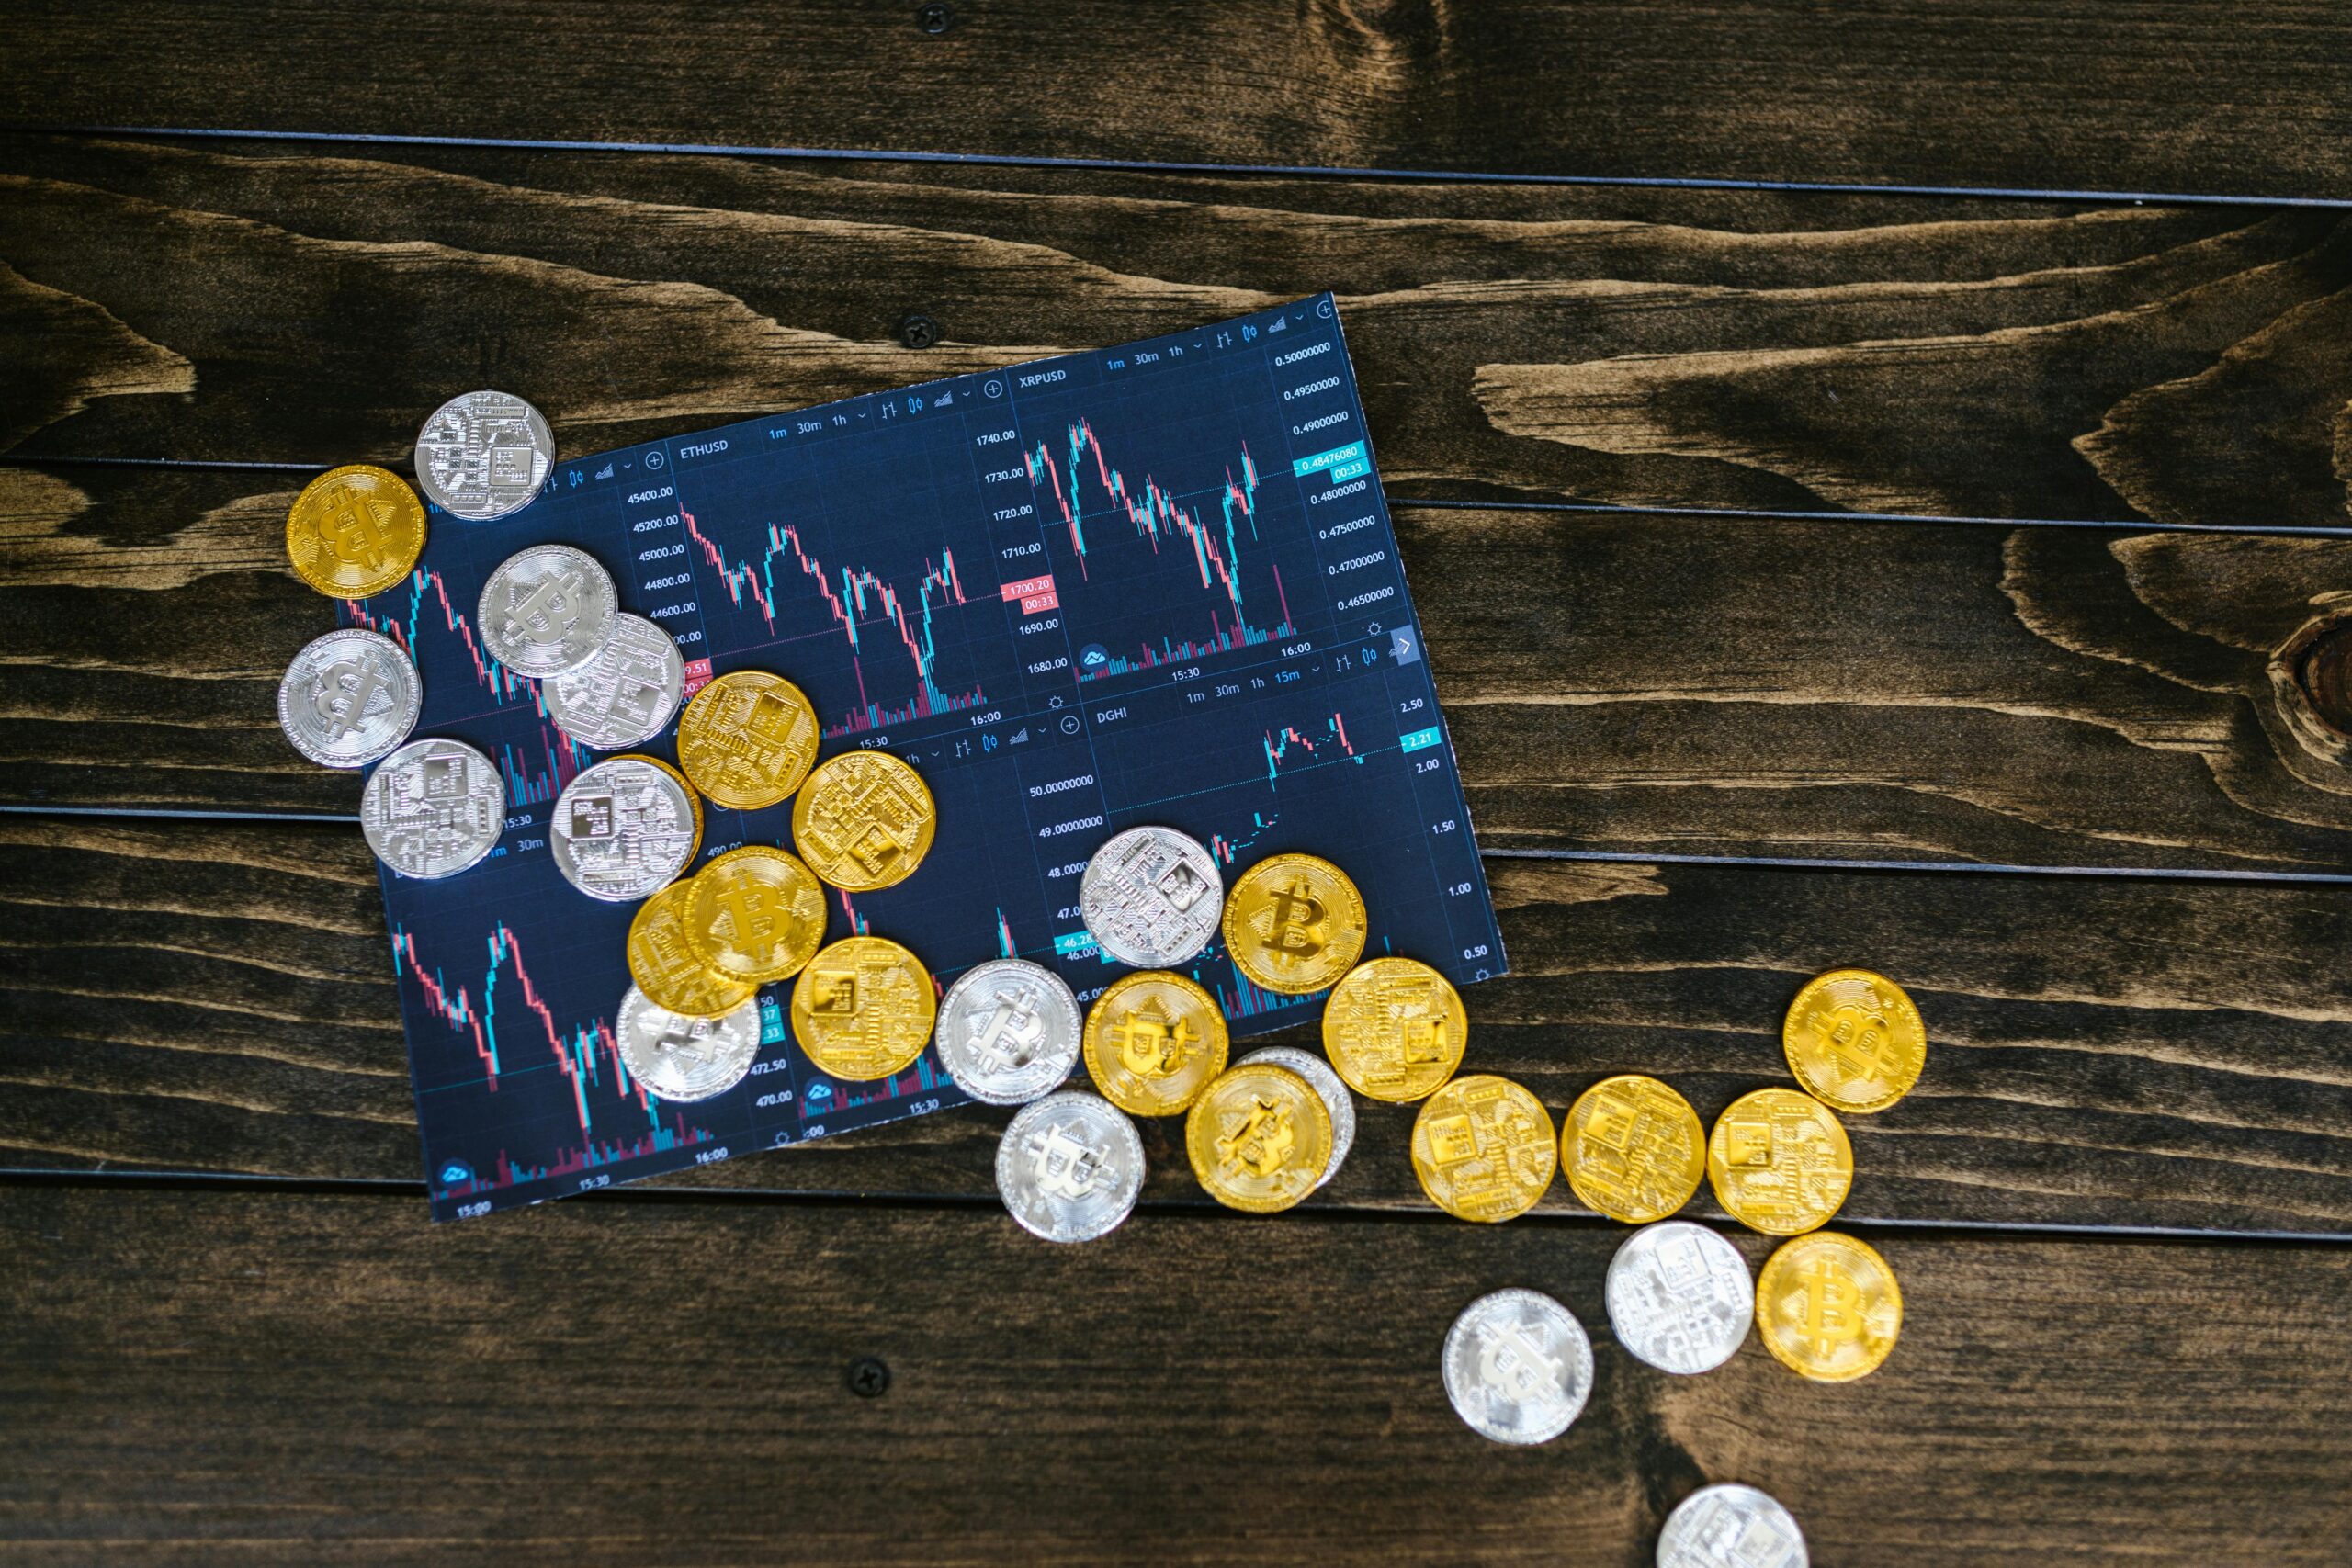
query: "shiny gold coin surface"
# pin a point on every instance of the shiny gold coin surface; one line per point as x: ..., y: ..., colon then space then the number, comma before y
x: 1779, y: 1161
x: 355, y: 531
x: 1153, y: 1041
x: 1827, y: 1306
x: 1394, y: 1029
x: 1293, y: 923
x: 664, y: 963
x: 1633, y: 1148
x: 747, y: 738
x: 1854, y: 1040
x: 757, y: 914
x: 1483, y: 1148
x: 864, y: 1008
x: 1258, y: 1137
x: 864, y: 820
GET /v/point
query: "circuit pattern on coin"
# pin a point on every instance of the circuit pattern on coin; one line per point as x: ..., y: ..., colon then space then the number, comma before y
x: 1855, y: 1040
x: 1483, y: 1148
x: 662, y: 961
x: 1007, y: 1031
x: 482, y: 455
x: 863, y: 1008
x: 1779, y: 1161
x: 747, y: 738
x: 1293, y: 923
x: 1632, y: 1149
x: 1070, y: 1167
x: 348, y: 698
x: 1337, y: 1102
x: 1258, y: 1138
x: 624, y: 828
x: 1828, y: 1307
x: 1153, y: 1040
x: 1729, y: 1525
x: 864, y: 820
x: 677, y: 1058
x: 546, y: 610
x: 432, y: 808
x: 1395, y: 1029
x: 1680, y: 1297
x: 756, y: 914
x: 1517, y: 1367
x: 625, y: 694
x: 1151, y: 897
x: 355, y: 531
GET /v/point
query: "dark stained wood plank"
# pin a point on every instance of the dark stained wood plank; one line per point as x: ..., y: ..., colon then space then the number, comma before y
x: 2168, y: 96
x: 1640, y: 347
x: 329, y: 1380
x: 184, y: 997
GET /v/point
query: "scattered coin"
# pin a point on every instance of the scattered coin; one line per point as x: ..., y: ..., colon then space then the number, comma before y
x: 1854, y: 1040
x: 546, y: 610
x: 432, y: 808
x: 348, y: 698
x: 1483, y: 1148
x: 747, y: 738
x: 625, y: 829
x: 624, y: 695
x: 1394, y: 1029
x: 1517, y: 1367
x: 675, y: 1057
x: 662, y: 961
x: 864, y: 820
x: 1779, y: 1161
x: 1680, y: 1297
x: 1827, y: 1306
x: 1337, y: 1104
x: 863, y: 1008
x: 1632, y: 1149
x: 1151, y: 896
x: 1153, y: 1040
x: 355, y: 531
x: 1293, y: 923
x: 756, y: 914
x: 1731, y: 1527
x: 483, y: 455
x: 1258, y: 1138
x: 1070, y: 1167
x: 1007, y: 1031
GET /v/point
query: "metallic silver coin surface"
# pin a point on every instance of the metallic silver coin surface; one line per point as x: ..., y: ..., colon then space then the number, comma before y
x: 348, y: 698
x: 432, y: 808
x: 1731, y: 1527
x: 675, y: 1057
x: 1007, y: 1031
x: 1680, y: 1297
x: 1327, y: 1088
x: 624, y: 695
x: 1153, y: 896
x: 1517, y: 1367
x: 546, y: 610
x: 483, y: 455
x: 623, y: 829
x: 1070, y: 1167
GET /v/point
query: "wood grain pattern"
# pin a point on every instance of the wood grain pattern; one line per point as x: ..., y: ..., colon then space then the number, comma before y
x: 2166, y: 95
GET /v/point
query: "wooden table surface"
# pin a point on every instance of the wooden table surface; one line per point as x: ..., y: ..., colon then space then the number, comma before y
x: 1875, y: 477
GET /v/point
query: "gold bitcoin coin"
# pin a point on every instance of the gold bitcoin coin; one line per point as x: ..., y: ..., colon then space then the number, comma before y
x: 1153, y: 1041
x: 664, y: 966
x: 864, y: 820
x: 355, y: 531
x: 863, y: 1008
x: 1779, y: 1162
x: 1633, y: 1148
x: 1293, y: 923
x: 1828, y: 1307
x: 1394, y: 1029
x: 757, y: 915
x: 1258, y: 1138
x: 1854, y: 1040
x: 1483, y: 1148
x: 747, y: 738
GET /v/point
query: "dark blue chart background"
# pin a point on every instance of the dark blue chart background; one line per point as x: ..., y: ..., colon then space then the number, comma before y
x: 1155, y: 583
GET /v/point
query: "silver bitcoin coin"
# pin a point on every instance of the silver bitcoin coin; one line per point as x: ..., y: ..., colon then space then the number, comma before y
x: 675, y: 1057
x: 432, y: 808
x: 348, y: 698
x: 1070, y: 1167
x: 623, y: 829
x: 483, y: 455
x: 546, y: 611
x: 624, y: 695
x: 1731, y: 1527
x: 1327, y: 1088
x: 1680, y: 1297
x: 1153, y: 896
x: 1007, y: 1031
x: 1517, y: 1367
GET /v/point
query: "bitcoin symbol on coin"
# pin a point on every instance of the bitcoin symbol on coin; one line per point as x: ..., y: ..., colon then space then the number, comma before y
x: 1065, y: 1166
x: 357, y: 530
x: 1010, y: 1039
x: 1832, y: 1308
x: 548, y: 611
x: 343, y: 692
x: 1293, y: 921
x: 1152, y: 1043
x: 1516, y: 1367
x: 1263, y: 1141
